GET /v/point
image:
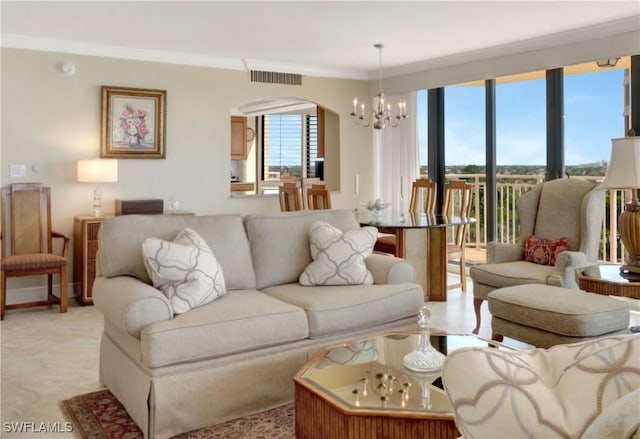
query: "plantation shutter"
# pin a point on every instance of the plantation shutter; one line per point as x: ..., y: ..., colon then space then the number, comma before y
x: 282, y: 152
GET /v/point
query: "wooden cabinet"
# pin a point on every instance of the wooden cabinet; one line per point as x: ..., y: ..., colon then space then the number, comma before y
x: 243, y: 187
x: 238, y: 138
x: 85, y: 247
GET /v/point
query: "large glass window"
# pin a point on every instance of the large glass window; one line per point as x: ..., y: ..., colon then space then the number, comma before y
x: 423, y: 133
x: 594, y: 114
x: 521, y: 146
x: 464, y: 129
x: 521, y: 133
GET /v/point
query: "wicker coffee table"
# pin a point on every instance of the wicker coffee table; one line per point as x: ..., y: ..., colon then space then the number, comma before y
x: 362, y: 390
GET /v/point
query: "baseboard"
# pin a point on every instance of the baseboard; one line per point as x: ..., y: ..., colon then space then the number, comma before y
x: 34, y: 294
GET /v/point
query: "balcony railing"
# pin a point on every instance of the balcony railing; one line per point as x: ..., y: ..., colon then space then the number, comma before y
x: 510, y: 187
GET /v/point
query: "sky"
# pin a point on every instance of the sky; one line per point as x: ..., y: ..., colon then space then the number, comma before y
x: 593, y: 107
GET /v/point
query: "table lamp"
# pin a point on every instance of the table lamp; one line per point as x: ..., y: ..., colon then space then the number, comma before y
x: 97, y: 171
x: 623, y: 172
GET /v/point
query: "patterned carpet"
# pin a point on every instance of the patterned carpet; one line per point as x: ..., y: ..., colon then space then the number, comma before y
x: 99, y: 415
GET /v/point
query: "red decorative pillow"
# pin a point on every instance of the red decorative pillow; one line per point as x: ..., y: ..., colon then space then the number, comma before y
x: 544, y: 251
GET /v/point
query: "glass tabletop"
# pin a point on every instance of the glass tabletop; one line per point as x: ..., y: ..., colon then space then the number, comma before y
x: 392, y: 218
x: 609, y: 273
x: 369, y: 374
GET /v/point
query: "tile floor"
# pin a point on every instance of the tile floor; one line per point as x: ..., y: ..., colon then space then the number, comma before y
x: 47, y: 357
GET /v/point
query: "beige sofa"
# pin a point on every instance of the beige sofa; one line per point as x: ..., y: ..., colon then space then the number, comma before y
x: 236, y: 355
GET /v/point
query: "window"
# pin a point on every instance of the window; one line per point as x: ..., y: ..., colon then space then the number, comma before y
x: 282, y: 147
x: 423, y: 133
x: 289, y: 141
x: 594, y: 114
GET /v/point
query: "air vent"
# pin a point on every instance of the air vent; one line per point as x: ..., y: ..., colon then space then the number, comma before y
x: 276, y: 77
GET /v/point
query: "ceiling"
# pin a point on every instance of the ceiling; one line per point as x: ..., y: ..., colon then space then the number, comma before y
x: 324, y: 38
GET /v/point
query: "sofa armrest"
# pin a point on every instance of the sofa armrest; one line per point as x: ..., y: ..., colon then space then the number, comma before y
x: 387, y: 269
x: 498, y: 252
x: 564, y: 273
x: 129, y: 303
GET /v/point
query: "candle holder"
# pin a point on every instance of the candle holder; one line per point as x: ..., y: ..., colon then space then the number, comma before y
x: 425, y: 358
x: 383, y: 386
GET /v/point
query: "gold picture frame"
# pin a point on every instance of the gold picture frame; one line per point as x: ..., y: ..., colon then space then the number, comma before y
x: 133, y: 123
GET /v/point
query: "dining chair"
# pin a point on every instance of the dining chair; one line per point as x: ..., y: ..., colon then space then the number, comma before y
x: 423, y: 196
x: 423, y: 200
x: 318, y: 197
x: 458, y: 195
x: 27, y: 243
x: 290, y: 197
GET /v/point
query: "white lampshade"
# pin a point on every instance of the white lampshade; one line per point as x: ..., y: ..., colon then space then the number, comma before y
x: 98, y: 171
x: 623, y: 171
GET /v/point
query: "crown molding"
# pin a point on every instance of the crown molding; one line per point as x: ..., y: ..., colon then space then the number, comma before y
x: 108, y: 51
x: 168, y: 57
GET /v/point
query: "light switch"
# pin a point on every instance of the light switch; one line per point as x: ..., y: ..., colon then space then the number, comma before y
x: 18, y: 171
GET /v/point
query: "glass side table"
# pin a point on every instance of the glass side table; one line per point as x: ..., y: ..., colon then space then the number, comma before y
x: 607, y: 280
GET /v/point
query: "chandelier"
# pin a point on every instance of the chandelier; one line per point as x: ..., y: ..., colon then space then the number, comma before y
x: 380, y: 115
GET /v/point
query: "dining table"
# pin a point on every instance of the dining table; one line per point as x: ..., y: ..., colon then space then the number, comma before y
x: 421, y: 239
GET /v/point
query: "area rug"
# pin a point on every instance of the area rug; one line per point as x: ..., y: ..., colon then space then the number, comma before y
x: 99, y: 415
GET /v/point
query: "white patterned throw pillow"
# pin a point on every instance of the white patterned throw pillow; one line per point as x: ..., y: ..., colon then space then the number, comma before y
x: 185, y: 270
x: 338, y: 258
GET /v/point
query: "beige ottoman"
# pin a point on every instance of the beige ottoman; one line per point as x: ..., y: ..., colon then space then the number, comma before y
x: 544, y: 316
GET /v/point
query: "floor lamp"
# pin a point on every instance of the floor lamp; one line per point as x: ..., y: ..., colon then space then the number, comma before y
x: 623, y: 172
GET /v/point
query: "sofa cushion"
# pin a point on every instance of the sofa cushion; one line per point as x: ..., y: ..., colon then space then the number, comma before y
x: 541, y: 393
x: 120, y: 244
x: 338, y: 258
x: 280, y: 242
x: 185, y: 270
x: 239, y: 321
x: 507, y: 274
x: 339, y: 309
x: 544, y: 251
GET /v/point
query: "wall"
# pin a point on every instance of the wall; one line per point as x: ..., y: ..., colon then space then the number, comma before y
x: 51, y: 120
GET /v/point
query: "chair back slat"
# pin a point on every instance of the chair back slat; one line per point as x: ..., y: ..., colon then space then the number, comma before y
x: 318, y: 198
x: 290, y: 197
x: 423, y: 196
x: 26, y: 219
x: 457, y: 202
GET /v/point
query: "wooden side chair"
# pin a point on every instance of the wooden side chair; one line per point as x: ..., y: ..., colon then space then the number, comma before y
x: 318, y: 197
x: 27, y: 243
x: 290, y: 197
x: 457, y: 202
x: 423, y: 196
x: 423, y: 200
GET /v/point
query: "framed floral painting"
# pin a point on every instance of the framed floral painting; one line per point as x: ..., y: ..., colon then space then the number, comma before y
x: 133, y: 123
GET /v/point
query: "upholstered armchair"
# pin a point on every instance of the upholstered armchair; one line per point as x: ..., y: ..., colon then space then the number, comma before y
x: 569, y: 208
